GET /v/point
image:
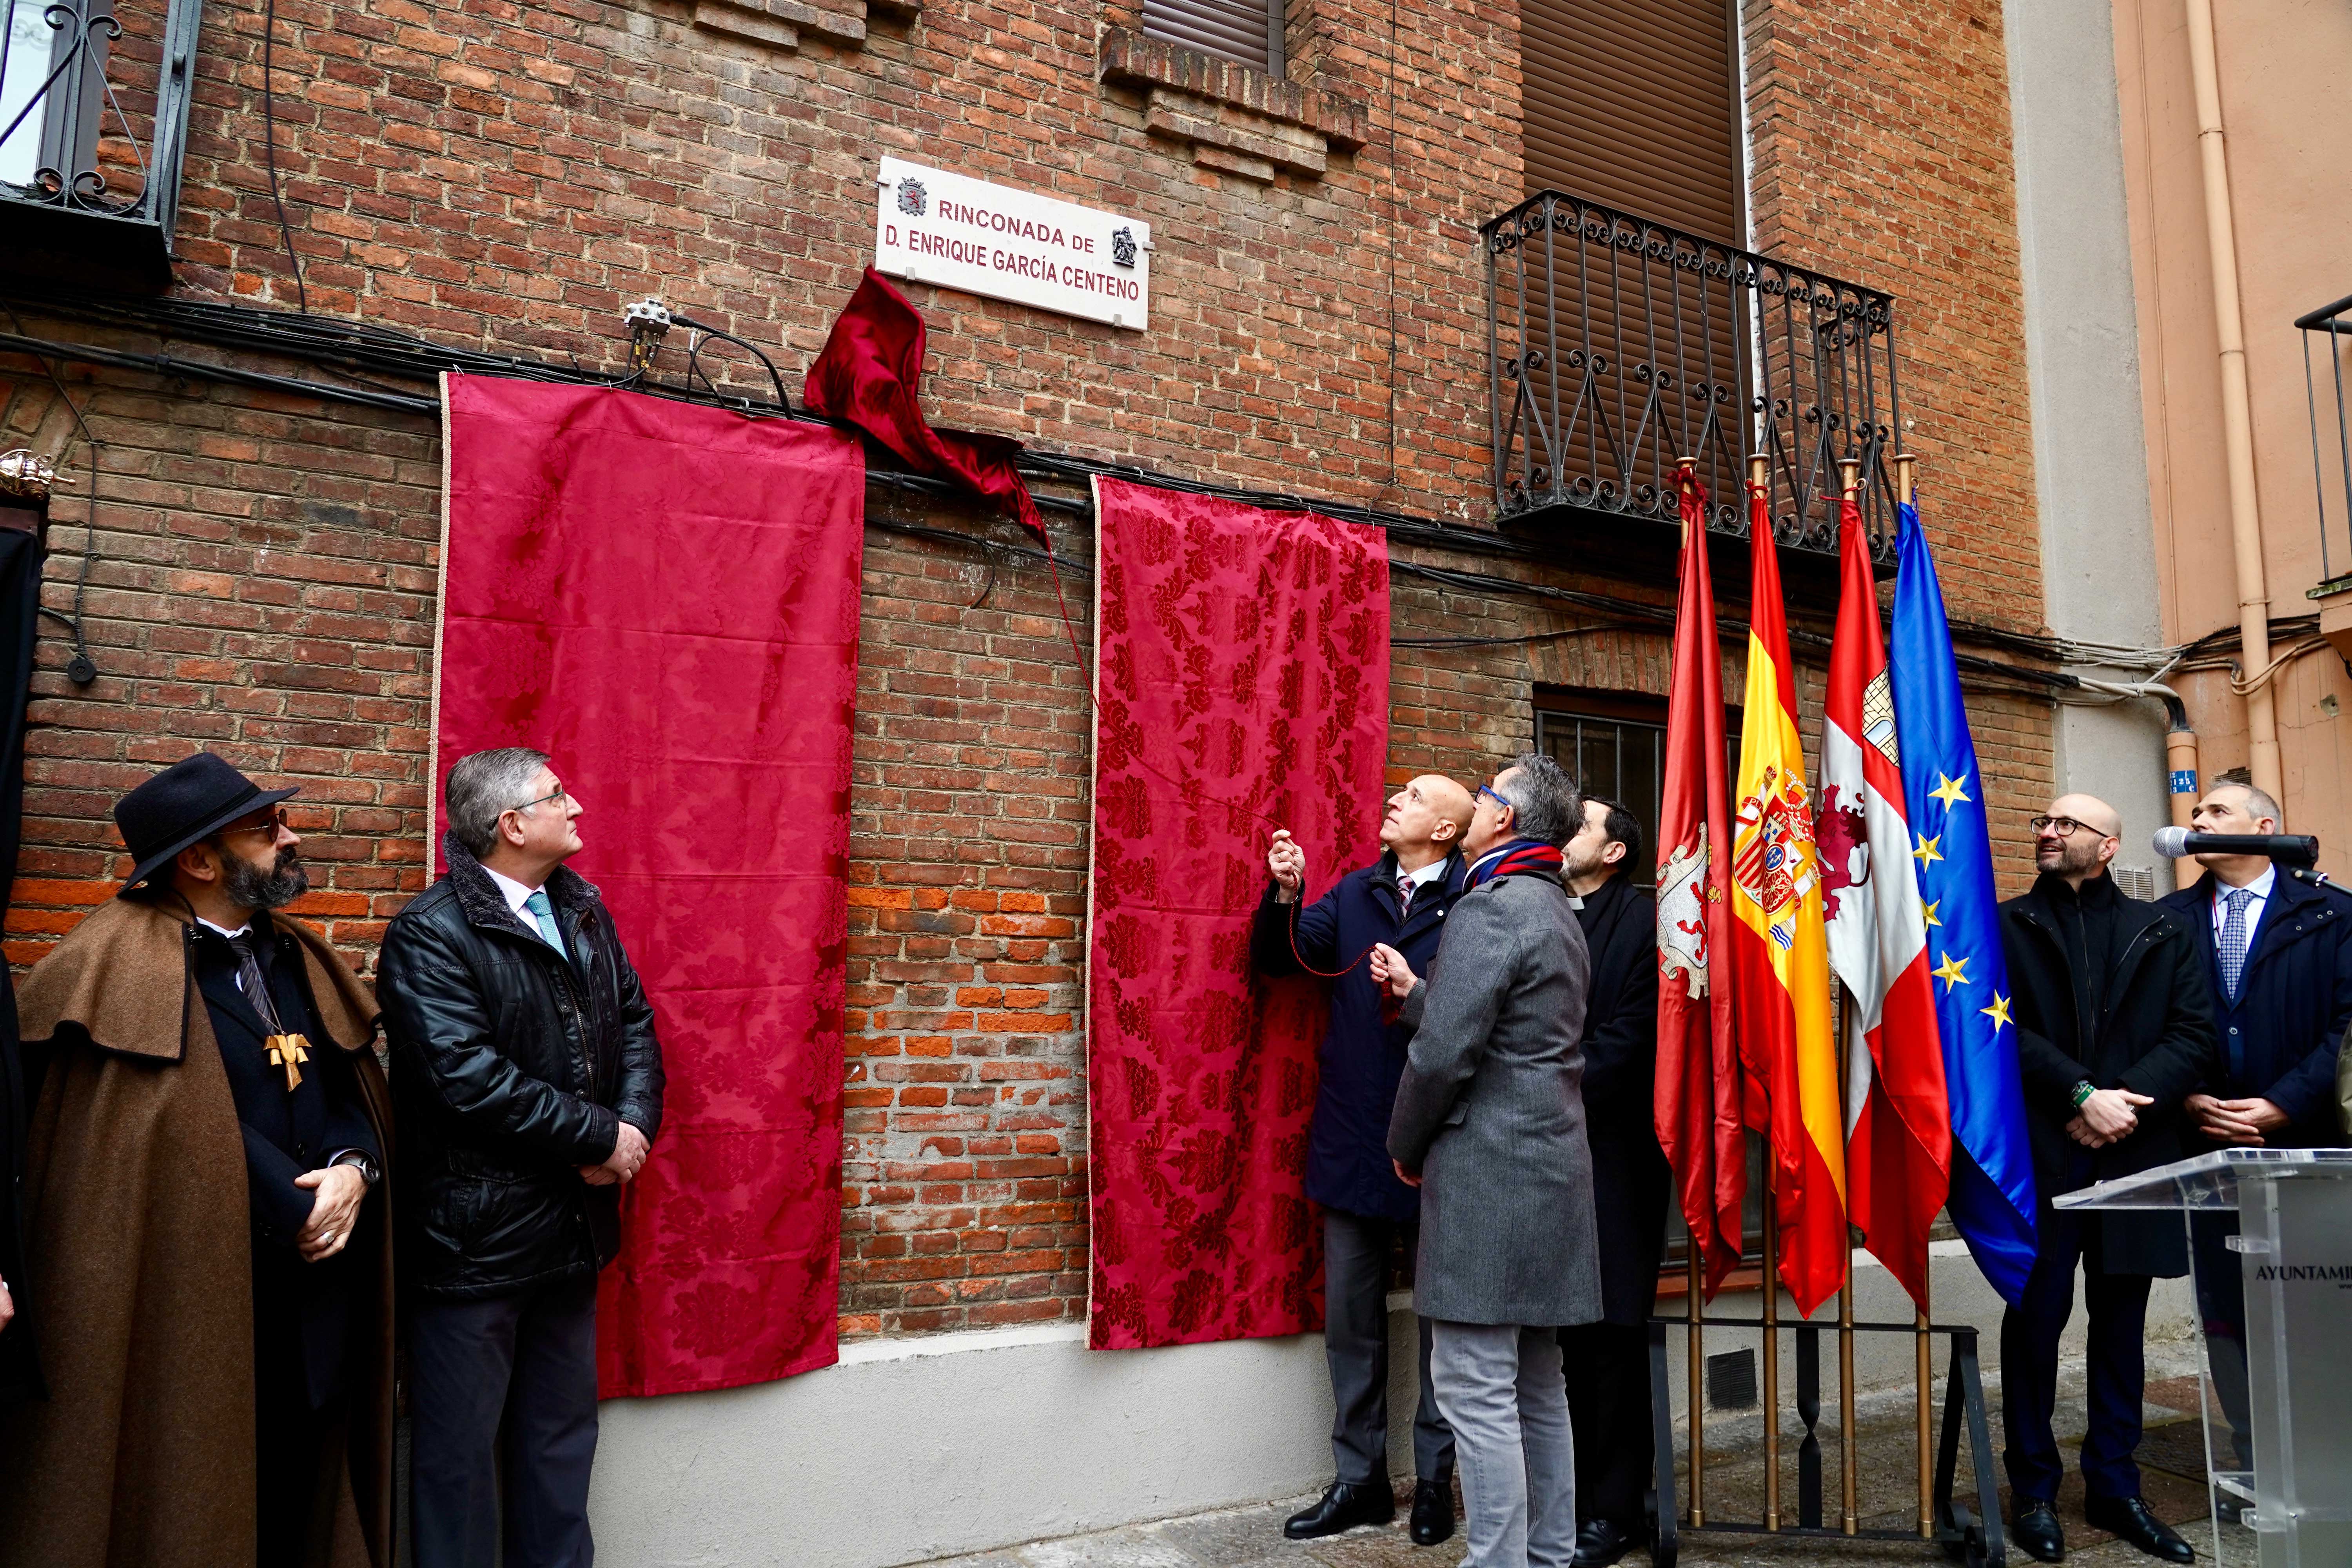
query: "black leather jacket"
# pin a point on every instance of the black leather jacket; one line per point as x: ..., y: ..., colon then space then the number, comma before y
x: 510, y: 1069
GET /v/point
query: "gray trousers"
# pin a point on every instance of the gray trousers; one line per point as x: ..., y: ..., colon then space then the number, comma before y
x: 526, y: 1361
x: 1356, y: 1347
x: 1500, y: 1386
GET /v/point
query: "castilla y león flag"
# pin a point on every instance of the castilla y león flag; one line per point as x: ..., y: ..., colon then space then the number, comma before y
x: 1780, y: 954
x: 1898, y: 1131
x: 1697, y: 1103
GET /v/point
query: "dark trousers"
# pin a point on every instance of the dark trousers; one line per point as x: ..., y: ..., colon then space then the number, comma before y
x: 526, y: 1361
x: 2117, y: 1373
x: 1608, y: 1370
x: 295, y: 1491
x: 1355, y: 1251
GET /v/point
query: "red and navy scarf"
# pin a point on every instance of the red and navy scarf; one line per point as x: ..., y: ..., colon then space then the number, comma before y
x: 1521, y: 855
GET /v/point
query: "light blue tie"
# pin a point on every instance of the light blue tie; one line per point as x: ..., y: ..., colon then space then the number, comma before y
x: 545, y: 915
x: 2233, y: 938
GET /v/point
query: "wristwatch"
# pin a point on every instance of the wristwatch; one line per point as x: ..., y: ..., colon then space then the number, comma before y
x: 370, y: 1171
x: 2083, y: 1088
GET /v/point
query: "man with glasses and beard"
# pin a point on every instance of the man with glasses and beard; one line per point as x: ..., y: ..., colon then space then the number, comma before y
x: 207, y: 1151
x: 2114, y: 1033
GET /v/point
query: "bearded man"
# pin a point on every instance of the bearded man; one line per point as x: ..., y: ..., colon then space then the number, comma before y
x: 206, y: 1154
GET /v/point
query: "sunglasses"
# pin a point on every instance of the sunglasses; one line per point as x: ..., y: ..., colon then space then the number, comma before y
x: 274, y: 824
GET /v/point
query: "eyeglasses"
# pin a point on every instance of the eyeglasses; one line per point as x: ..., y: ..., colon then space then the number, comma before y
x: 1498, y: 799
x: 557, y: 796
x: 2066, y: 826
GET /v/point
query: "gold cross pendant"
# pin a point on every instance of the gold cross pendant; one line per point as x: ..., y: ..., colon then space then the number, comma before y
x: 286, y: 1050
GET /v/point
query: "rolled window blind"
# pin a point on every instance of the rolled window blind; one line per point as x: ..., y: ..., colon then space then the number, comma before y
x: 1633, y: 103
x: 1245, y: 31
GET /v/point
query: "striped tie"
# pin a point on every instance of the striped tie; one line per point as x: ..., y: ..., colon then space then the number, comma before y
x: 1405, y: 884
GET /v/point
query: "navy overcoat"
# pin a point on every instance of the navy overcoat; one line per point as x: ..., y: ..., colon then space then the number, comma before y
x: 1363, y: 1053
x: 2279, y: 1039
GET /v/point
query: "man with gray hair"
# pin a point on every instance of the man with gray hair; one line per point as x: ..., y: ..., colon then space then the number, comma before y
x: 2276, y: 949
x: 529, y: 1086
x: 1489, y: 1123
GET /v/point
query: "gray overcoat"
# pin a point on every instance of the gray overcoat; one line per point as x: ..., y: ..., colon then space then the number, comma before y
x: 1491, y: 1110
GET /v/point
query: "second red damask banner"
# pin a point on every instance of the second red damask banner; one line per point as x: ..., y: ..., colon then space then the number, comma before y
x: 1241, y: 660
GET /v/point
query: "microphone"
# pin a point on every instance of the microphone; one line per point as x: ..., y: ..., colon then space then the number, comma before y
x: 2287, y: 849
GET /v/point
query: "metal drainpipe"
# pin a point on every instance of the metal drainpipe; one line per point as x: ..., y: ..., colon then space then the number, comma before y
x: 2180, y: 762
x: 2237, y: 418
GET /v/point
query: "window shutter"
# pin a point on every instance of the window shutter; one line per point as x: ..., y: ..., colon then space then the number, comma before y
x: 1248, y: 32
x: 1635, y: 104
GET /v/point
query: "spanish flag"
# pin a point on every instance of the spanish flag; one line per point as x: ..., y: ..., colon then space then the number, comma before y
x: 1779, y: 948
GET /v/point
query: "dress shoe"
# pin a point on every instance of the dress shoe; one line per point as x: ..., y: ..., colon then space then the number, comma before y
x: 1343, y: 1507
x: 2035, y: 1528
x: 1432, y: 1510
x: 2128, y: 1517
x: 1602, y: 1541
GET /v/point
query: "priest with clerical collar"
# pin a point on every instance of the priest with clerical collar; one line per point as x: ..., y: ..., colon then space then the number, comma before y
x: 207, y: 1151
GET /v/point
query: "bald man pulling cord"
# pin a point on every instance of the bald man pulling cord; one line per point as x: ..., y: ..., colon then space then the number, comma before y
x: 1401, y: 899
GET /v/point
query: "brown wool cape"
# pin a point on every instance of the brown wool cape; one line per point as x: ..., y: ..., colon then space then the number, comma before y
x: 142, y: 1455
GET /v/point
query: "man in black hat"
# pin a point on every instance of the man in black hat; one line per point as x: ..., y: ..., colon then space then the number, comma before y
x: 208, y: 1148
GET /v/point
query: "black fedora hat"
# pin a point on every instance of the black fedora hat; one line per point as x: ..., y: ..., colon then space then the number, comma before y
x: 185, y: 803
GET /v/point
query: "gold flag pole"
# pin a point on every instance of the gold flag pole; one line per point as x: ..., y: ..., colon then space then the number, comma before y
x: 1771, y: 1288
x: 1922, y: 1375
x: 1759, y: 471
x: 1849, y: 470
x: 1697, y: 1392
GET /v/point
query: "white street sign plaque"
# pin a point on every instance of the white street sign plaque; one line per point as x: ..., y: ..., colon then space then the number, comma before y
x: 941, y: 229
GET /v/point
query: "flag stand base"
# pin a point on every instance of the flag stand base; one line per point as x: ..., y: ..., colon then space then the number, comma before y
x: 1970, y: 1535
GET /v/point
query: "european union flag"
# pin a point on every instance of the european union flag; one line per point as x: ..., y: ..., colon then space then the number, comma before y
x: 1991, y: 1199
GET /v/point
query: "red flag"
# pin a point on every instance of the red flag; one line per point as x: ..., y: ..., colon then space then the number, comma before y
x: 1898, y: 1125
x: 869, y: 373
x: 1698, y: 1083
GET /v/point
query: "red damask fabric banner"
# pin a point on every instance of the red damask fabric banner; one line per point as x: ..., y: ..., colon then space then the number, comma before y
x: 664, y: 598
x: 1243, y: 683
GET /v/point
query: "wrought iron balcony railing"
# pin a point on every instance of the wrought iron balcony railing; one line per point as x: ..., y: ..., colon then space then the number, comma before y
x: 1617, y: 346
x: 2328, y: 333
x: 93, y: 121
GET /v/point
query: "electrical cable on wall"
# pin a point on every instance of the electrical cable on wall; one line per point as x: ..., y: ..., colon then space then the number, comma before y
x: 269, y: 149
x: 80, y: 668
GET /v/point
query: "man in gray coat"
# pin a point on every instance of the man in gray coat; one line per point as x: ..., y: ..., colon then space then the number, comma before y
x: 1489, y: 1122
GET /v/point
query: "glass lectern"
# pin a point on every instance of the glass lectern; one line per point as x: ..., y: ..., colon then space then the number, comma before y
x: 2270, y: 1249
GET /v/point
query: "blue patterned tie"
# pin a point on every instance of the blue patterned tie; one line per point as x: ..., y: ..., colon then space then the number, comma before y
x: 541, y: 912
x: 2233, y: 938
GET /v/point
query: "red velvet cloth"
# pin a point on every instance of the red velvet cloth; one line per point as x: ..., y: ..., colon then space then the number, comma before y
x: 870, y: 374
x: 1243, y: 659
x: 664, y: 598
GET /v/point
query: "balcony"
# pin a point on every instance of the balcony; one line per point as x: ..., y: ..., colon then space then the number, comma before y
x: 2326, y: 345
x: 93, y: 122
x: 1617, y: 346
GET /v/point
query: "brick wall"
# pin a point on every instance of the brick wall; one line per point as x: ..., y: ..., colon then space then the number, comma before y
x: 509, y: 175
